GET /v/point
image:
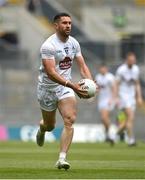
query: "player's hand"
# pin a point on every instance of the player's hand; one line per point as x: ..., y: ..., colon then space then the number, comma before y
x: 80, y: 92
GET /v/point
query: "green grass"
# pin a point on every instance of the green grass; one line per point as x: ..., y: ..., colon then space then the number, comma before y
x: 26, y: 160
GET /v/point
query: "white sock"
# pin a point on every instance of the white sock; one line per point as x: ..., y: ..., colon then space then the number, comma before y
x: 108, y: 135
x: 131, y: 140
x: 62, y: 155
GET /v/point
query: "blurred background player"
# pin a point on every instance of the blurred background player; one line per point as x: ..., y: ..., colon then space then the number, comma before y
x: 129, y: 91
x: 106, y: 97
x: 55, y: 89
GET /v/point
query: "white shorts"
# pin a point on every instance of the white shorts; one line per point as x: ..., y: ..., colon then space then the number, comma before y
x: 104, y: 104
x: 127, y: 102
x: 48, y: 99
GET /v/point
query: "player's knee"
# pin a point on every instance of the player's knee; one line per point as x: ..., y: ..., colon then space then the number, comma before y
x: 69, y: 120
x: 129, y: 124
x: 105, y: 116
x: 50, y: 127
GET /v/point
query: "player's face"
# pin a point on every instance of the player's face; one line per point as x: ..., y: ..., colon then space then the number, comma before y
x: 103, y: 70
x: 63, y: 26
x: 131, y: 60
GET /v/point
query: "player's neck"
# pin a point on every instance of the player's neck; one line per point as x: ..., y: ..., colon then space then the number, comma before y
x: 62, y: 38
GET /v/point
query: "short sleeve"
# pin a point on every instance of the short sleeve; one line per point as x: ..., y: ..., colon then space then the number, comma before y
x: 118, y: 74
x: 47, y: 52
x: 77, y: 48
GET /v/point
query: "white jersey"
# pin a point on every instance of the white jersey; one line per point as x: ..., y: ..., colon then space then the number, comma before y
x: 127, y: 77
x: 105, y: 82
x: 63, y: 53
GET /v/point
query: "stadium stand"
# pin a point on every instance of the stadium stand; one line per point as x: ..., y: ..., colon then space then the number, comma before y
x: 140, y: 2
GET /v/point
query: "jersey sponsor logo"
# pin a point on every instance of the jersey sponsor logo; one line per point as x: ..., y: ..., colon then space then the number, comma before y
x: 129, y: 81
x: 101, y: 84
x: 65, y: 64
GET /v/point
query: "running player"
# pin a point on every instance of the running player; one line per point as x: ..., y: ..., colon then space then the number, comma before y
x: 55, y: 88
x: 106, y: 97
x: 129, y: 91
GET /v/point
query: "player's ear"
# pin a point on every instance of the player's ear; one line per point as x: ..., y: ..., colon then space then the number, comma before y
x: 55, y: 25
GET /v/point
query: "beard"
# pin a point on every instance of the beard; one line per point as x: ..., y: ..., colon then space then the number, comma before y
x: 130, y: 66
x: 66, y: 33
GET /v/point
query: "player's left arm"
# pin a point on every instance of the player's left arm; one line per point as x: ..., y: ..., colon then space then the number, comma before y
x: 84, y: 70
x: 138, y: 92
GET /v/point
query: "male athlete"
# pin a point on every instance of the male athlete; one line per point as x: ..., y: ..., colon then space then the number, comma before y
x: 55, y: 88
x: 129, y: 91
x: 106, y: 97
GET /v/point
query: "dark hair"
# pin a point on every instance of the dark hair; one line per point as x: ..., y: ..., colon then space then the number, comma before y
x: 58, y: 16
x: 102, y: 64
x: 130, y: 54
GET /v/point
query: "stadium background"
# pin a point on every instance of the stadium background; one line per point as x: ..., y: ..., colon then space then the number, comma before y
x: 106, y: 30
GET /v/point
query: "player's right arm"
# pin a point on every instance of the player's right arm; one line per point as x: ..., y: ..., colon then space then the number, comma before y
x: 138, y: 93
x: 139, y: 98
x: 49, y: 66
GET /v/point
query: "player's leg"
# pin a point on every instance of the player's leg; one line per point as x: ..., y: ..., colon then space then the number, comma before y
x: 129, y: 125
x: 105, y: 119
x: 48, y: 106
x: 105, y: 109
x: 48, y: 121
x: 46, y: 124
x: 67, y: 109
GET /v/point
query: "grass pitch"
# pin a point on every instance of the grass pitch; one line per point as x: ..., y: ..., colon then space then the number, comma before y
x: 22, y: 160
